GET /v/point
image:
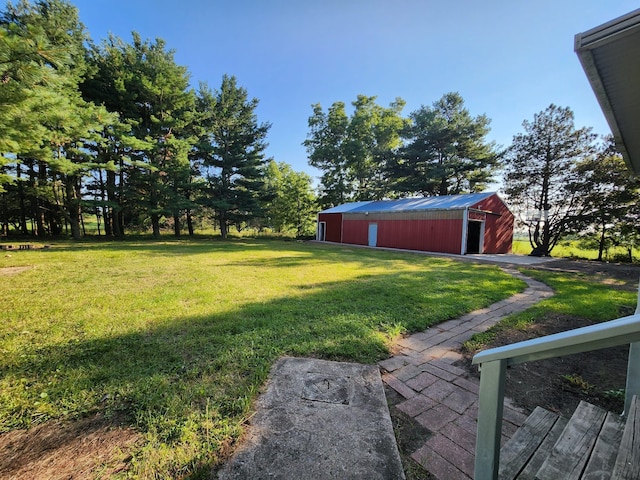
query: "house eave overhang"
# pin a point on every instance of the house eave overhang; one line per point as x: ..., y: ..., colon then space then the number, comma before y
x: 610, y: 56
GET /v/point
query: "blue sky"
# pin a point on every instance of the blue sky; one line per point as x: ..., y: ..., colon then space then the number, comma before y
x: 508, y: 59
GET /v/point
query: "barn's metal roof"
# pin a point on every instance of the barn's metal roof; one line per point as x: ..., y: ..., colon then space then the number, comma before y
x: 345, y: 207
x: 610, y: 56
x: 448, y: 202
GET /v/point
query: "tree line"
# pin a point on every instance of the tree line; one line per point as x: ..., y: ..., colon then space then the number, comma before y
x: 115, y: 129
x: 559, y: 179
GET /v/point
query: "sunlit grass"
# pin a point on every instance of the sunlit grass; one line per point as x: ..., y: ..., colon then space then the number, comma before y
x: 180, y: 335
x: 574, y: 249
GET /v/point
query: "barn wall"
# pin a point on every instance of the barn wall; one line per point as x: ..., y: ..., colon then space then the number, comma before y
x: 333, y: 232
x: 498, y: 230
x: 431, y: 235
x: 427, y: 230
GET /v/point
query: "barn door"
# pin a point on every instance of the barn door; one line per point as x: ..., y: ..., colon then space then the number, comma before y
x: 373, y: 234
x: 322, y: 231
x: 475, y: 234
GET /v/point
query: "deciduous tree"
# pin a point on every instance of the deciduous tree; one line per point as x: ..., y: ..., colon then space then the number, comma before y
x: 292, y: 203
x: 541, y: 177
x: 611, y: 199
x: 354, y: 151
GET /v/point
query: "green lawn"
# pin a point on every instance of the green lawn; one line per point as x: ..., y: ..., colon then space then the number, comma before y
x: 576, y: 249
x: 179, y: 335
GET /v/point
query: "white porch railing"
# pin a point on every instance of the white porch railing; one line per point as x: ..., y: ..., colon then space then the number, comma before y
x: 493, y: 364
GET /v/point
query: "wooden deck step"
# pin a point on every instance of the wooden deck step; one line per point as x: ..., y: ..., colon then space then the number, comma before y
x: 570, y: 454
x: 585, y: 447
x: 527, y: 440
x: 627, y: 466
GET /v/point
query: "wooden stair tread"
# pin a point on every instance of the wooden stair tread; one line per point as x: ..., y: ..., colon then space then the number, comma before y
x: 570, y: 454
x: 606, y: 449
x: 627, y: 466
x: 525, y: 442
x: 534, y: 464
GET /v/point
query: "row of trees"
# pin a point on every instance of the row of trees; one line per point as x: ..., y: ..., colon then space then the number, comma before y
x: 376, y: 153
x: 559, y: 179
x: 116, y: 129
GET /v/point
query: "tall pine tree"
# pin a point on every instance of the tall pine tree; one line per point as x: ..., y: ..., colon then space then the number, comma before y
x: 231, y: 148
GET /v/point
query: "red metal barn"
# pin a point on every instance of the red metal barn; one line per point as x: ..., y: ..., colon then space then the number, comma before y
x: 459, y: 224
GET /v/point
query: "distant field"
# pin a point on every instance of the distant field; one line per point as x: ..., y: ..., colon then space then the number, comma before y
x: 573, y: 249
x: 178, y: 336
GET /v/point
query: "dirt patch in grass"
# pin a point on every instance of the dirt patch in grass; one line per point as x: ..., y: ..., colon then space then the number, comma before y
x: 559, y: 384
x: 88, y: 448
x: 623, y: 274
x: 12, y: 270
x: 410, y: 436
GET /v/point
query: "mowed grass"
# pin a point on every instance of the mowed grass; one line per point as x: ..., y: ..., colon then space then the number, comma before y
x: 575, y: 249
x: 179, y: 336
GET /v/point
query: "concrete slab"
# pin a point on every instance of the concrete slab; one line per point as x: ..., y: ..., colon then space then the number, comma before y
x: 319, y: 420
x: 510, y: 258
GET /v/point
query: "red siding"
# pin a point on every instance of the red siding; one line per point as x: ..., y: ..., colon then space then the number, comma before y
x: 428, y: 235
x: 333, y: 232
x: 432, y: 231
x: 498, y: 228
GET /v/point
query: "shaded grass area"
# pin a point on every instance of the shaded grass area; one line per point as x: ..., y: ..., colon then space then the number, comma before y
x: 575, y: 296
x: 179, y: 336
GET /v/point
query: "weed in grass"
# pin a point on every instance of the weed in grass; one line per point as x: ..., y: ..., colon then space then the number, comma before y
x: 576, y: 381
x: 179, y: 336
x: 617, y: 393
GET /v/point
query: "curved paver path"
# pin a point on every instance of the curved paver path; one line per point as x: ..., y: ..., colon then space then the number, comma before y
x: 444, y: 398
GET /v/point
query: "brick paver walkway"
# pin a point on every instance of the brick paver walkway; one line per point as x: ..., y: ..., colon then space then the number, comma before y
x: 444, y: 398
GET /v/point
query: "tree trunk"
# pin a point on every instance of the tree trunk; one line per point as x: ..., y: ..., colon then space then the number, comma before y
x: 22, y: 220
x: 4, y: 221
x: 190, y: 222
x: 601, y: 243
x: 117, y: 215
x: 176, y: 225
x: 155, y: 225
x: 224, y: 228
x: 444, y: 189
x: 73, y: 207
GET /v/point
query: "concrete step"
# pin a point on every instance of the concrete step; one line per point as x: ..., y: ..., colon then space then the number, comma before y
x: 319, y: 420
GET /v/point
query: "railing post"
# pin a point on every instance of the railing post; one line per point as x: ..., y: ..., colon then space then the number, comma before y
x: 633, y: 368
x: 492, y: 375
x: 633, y: 375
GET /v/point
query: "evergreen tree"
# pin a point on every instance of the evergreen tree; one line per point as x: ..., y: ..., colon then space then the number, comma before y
x: 231, y: 148
x: 446, y: 151
x: 144, y: 85
x: 59, y: 123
